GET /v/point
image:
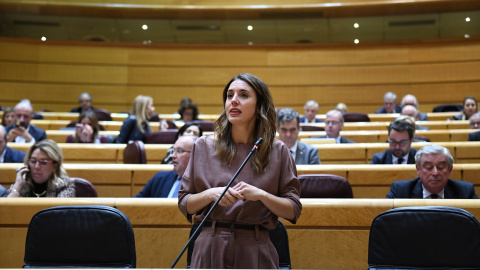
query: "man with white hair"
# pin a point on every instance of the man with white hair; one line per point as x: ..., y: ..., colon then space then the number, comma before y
x: 22, y: 131
x: 412, y: 100
x: 474, y: 124
x: 434, y: 165
x: 389, y: 104
x: 311, y: 110
x: 410, y: 110
x: 333, y: 126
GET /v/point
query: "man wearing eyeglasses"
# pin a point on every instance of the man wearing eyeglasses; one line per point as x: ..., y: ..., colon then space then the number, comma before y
x: 434, y: 165
x: 400, y: 138
x: 389, y: 104
x: 8, y: 155
x: 166, y: 184
x: 333, y: 126
x: 474, y: 124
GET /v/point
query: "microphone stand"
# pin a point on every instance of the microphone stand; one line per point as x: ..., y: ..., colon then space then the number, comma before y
x: 255, y: 147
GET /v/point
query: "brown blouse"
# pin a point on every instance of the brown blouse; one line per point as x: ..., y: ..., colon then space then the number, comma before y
x: 205, y: 171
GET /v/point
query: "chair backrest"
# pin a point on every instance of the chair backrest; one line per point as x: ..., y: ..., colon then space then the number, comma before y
x: 355, y: 117
x: 205, y: 125
x: 163, y: 136
x: 80, y: 236
x: 428, y: 237
x: 311, y: 128
x: 418, y: 138
x: 83, y: 188
x: 103, y: 115
x: 448, y: 108
x: 324, y: 186
x: 278, y: 237
x: 134, y: 153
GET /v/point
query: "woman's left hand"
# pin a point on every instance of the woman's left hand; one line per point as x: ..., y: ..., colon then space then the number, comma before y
x: 244, y: 191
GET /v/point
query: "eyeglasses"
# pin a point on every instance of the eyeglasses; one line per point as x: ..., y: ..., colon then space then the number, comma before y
x: 401, y: 143
x: 43, y: 162
x: 180, y: 151
x: 473, y: 124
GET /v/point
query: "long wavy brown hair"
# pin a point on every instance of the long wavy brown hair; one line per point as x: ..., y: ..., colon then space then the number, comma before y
x: 264, y: 125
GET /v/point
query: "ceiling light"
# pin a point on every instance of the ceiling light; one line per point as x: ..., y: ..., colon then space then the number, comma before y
x: 144, y: 27
x: 43, y: 38
x: 250, y: 28
x: 466, y: 35
x: 467, y: 19
x: 356, y: 25
x: 356, y: 41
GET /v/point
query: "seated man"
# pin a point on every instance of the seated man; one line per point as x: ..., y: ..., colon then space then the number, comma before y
x: 22, y: 131
x: 389, y: 104
x: 333, y: 126
x: 288, y: 124
x: 434, y: 165
x: 7, y: 155
x: 412, y: 100
x: 167, y: 184
x: 474, y: 121
x: 400, y: 138
x: 85, y: 101
x: 411, y: 111
x: 311, y: 110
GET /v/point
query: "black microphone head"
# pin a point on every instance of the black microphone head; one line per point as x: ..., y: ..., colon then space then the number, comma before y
x: 259, y: 142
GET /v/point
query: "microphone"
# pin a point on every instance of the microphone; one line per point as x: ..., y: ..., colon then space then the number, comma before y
x: 255, y: 147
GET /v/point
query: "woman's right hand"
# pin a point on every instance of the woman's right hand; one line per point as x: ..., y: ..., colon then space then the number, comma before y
x: 20, y: 181
x: 228, y: 199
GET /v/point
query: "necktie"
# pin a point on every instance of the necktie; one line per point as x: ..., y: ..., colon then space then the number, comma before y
x: 177, y: 188
x: 400, y: 161
x: 434, y: 196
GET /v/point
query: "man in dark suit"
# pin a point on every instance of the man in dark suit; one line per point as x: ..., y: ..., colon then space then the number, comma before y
x: 389, y: 104
x: 333, y: 126
x: 7, y: 155
x: 85, y: 101
x: 166, y: 184
x: 22, y: 131
x: 288, y: 124
x: 400, y: 138
x: 434, y: 165
x: 475, y: 136
x: 411, y: 111
x: 474, y: 121
x: 412, y: 100
x: 311, y: 110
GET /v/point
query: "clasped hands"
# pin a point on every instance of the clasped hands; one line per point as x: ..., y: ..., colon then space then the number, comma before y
x: 241, y: 191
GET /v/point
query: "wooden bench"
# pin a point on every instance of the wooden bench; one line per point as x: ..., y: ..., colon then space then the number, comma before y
x: 330, y: 234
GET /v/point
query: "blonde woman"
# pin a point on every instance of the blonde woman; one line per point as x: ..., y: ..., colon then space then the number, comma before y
x: 43, y: 174
x: 137, y: 127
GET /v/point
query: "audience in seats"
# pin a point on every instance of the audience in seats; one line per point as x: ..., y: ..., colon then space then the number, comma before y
x: 22, y: 131
x: 85, y: 102
x: 86, y: 129
x: 341, y: 107
x: 42, y: 174
x: 310, y: 110
x: 8, y: 117
x: 412, y: 100
x: 400, y: 138
x: 333, y: 126
x: 267, y: 188
x: 8, y: 155
x: 389, y: 104
x: 434, y: 165
x: 136, y: 127
x: 188, y: 111
x: 411, y: 111
x: 470, y: 106
x: 188, y: 129
x: 288, y: 124
x: 166, y: 184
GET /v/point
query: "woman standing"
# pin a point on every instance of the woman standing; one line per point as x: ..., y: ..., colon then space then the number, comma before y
x: 136, y: 126
x: 267, y: 187
x: 43, y: 174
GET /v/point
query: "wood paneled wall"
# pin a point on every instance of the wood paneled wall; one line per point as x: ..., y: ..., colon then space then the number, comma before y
x: 53, y: 75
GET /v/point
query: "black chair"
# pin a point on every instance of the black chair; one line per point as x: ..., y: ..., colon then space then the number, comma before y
x: 278, y: 237
x: 163, y: 136
x: 355, y: 117
x: 80, y: 236
x: 311, y: 128
x: 103, y: 115
x: 205, y: 125
x: 134, y: 153
x: 83, y: 188
x: 448, y: 108
x: 324, y: 186
x: 429, y: 237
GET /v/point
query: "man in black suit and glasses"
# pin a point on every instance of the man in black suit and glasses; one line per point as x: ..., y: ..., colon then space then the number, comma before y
x: 434, y: 164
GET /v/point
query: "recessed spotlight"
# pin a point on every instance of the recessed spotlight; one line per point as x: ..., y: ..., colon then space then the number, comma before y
x: 356, y: 41
x: 356, y: 25
x: 467, y: 19
x: 250, y: 43
x: 43, y: 38
x: 144, y: 27
x: 467, y: 36
x: 249, y: 28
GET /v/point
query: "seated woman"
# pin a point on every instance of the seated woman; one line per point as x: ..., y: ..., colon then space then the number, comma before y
x: 136, y: 126
x: 188, y: 111
x: 470, y: 106
x: 43, y: 174
x: 189, y: 129
x: 8, y: 117
x: 86, y: 129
